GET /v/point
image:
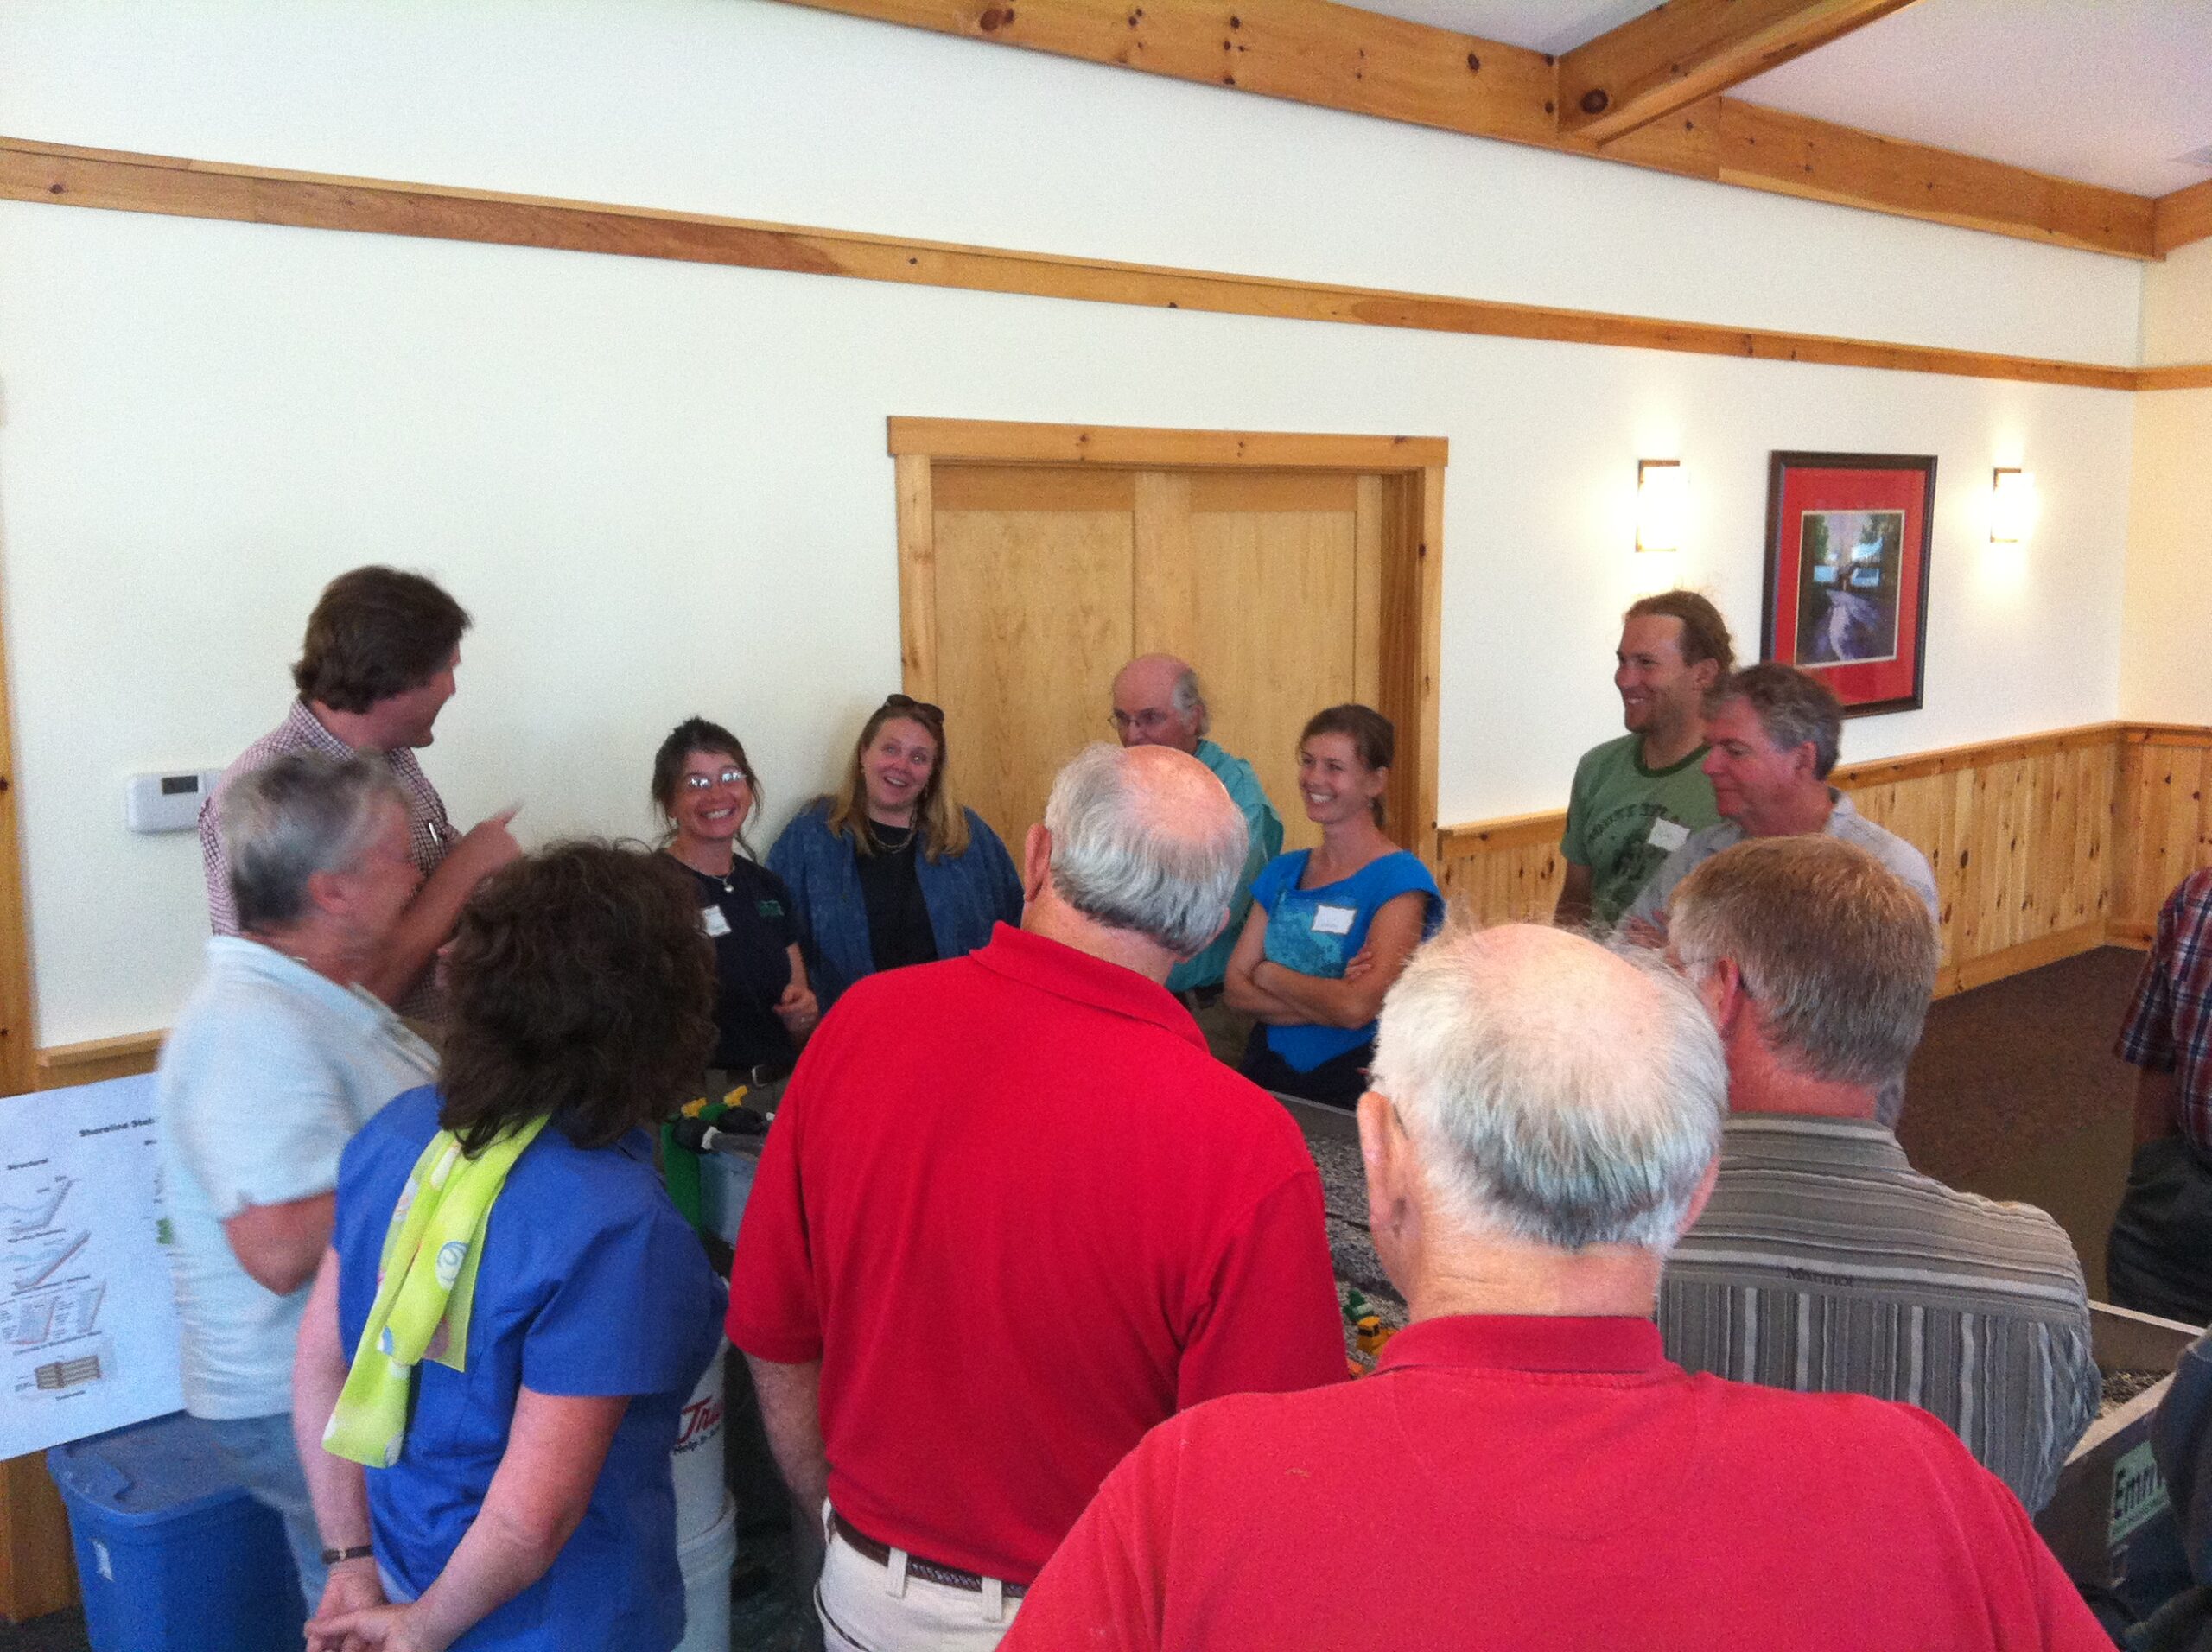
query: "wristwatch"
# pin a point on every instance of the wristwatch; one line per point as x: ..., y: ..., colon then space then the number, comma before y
x: 332, y: 1557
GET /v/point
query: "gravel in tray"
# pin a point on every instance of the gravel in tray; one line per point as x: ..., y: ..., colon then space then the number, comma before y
x: 2121, y: 1386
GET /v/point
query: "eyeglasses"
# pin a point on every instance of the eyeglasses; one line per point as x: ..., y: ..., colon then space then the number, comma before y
x: 727, y: 777
x: 921, y: 709
x: 1151, y: 722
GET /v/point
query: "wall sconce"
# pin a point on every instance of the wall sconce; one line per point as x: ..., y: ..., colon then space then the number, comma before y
x: 2012, y: 506
x: 1662, y: 503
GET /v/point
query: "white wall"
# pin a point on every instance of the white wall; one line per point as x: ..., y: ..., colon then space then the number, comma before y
x: 662, y: 488
x: 2166, y: 677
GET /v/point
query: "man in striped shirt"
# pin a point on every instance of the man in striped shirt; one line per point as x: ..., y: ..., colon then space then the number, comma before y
x: 1824, y: 1263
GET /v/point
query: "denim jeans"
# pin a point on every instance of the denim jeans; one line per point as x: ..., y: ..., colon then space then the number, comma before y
x: 261, y: 1457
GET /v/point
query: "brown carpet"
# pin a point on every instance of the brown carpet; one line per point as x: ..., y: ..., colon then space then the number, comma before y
x: 2015, y: 1094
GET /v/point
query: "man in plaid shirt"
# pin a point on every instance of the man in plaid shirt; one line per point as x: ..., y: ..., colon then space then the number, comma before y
x: 2160, y: 1260
x: 376, y: 669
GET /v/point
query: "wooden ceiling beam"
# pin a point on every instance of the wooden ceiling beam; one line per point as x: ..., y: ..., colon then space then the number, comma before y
x: 1307, y: 51
x: 2182, y: 217
x: 1687, y: 50
x: 1339, y: 57
x: 1725, y: 139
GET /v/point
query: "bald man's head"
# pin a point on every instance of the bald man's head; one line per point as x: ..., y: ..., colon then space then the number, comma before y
x: 1157, y: 702
x: 1146, y: 839
x: 1554, y: 1090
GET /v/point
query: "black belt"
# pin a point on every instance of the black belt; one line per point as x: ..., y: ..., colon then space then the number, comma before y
x: 952, y: 1576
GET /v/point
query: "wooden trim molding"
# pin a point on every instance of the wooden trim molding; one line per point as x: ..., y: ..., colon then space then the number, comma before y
x: 130, y: 183
x: 2182, y: 217
x: 1686, y: 50
x: 1339, y: 57
x: 60, y: 1066
x: 2197, y: 376
x: 18, y: 1071
x: 1011, y: 442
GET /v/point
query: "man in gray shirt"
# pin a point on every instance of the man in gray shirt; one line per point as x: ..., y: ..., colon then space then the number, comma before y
x: 1775, y: 734
x: 279, y: 1057
x: 1823, y: 1261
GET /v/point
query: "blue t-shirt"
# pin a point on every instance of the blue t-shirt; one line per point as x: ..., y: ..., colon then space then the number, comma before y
x: 1318, y: 931
x: 590, y: 1284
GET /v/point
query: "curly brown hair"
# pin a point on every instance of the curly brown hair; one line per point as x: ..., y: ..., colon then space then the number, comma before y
x: 581, y: 989
x: 375, y: 632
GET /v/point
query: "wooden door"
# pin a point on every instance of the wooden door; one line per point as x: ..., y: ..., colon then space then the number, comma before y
x: 1256, y: 578
x: 1292, y: 572
x: 1033, y: 572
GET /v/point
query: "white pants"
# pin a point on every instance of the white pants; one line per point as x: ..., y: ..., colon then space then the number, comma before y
x: 865, y: 1607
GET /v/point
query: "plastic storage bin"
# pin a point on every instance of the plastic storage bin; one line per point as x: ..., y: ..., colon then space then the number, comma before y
x: 169, y: 1552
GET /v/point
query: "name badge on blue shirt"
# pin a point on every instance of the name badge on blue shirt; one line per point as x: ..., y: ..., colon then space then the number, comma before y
x: 1333, y: 920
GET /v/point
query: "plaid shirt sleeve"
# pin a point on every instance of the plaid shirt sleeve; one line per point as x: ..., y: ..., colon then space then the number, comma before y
x: 2146, y: 1038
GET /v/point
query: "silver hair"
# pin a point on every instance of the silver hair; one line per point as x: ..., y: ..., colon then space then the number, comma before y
x: 281, y: 823
x: 1573, y: 1099
x: 1838, y: 956
x: 1190, y: 701
x: 1794, y: 708
x: 1115, y: 859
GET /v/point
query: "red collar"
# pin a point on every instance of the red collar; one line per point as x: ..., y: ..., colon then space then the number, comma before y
x: 1056, y: 968
x: 1529, y: 1342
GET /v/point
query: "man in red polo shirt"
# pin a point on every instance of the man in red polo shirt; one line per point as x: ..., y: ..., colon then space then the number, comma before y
x: 1012, y: 1214
x: 1525, y: 1468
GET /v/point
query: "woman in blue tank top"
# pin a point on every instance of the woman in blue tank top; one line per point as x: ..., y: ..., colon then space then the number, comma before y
x: 1331, y: 928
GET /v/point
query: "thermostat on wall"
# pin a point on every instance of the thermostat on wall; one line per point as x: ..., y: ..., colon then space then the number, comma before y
x: 167, y: 803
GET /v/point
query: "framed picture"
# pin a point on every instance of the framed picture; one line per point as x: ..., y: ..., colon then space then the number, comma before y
x: 1847, y: 538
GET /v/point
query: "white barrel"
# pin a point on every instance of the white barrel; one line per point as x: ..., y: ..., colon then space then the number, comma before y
x: 701, y: 1488
x: 706, y: 1559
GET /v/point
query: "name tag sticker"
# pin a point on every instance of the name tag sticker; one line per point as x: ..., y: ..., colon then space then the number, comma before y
x: 713, y: 918
x: 1669, y: 835
x: 1333, y: 920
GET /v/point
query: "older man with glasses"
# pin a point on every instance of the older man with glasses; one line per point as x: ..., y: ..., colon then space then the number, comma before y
x: 1157, y: 702
x: 279, y: 1057
x: 1525, y: 1467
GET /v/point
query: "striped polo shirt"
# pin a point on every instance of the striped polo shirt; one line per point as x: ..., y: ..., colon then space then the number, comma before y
x: 1825, y: 1263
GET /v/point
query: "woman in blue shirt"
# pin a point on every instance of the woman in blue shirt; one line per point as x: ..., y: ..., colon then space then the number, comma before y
x: 889, y: 870
x: 525, y: 1500
x: 1330, y: 928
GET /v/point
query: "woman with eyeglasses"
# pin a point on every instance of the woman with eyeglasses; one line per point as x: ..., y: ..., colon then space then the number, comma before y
x: 706, y: 790
x: 889, y: 869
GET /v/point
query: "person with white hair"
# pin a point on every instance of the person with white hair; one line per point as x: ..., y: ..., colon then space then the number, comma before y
x: 1158, y: 702
x: 1525, y: 1468
x: 1011, y: 1214
x: 281, y: 1054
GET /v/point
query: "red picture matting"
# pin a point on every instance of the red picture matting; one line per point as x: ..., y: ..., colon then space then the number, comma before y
x: 1846, y: 573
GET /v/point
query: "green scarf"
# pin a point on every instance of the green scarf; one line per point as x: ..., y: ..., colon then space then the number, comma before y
x: 425, y: 1283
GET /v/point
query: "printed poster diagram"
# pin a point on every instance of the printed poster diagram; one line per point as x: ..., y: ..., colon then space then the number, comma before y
x: 88, y: 1338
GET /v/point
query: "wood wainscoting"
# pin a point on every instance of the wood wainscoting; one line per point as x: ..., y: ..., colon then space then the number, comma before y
x: 2042, y: 847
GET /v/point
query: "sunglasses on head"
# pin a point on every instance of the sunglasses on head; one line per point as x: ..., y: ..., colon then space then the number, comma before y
x: 921, y: 708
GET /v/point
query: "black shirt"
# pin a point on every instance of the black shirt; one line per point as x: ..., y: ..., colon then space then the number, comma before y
x: 748, y: 918
x: 899, y: 930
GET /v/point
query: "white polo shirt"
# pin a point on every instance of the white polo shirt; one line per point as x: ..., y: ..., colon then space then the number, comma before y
x: 270, y: 1071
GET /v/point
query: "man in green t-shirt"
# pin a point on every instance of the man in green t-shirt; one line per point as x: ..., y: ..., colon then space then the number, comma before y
x: 1636, y: 797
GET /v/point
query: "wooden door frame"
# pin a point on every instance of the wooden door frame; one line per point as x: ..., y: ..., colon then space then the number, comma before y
x: 1412, y: 557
